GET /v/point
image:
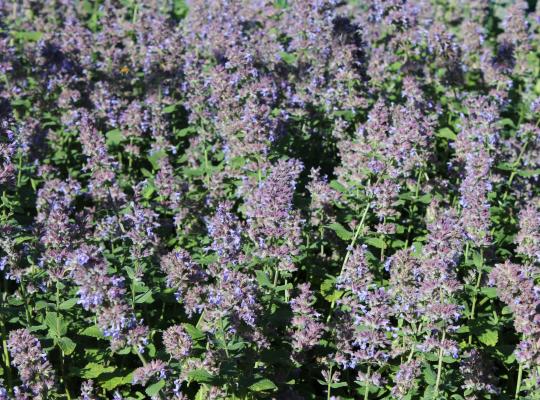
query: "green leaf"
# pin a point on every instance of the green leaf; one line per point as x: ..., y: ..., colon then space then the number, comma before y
x: 262, y: 385
x: 56, y: 324
x: 478, y: 260
x: 169, y: 109
x: 429, y: 375
x: 376, y: 242
x: 338, y: 186
x: 93, y: 331
x: 195, y: 333
x: 67, y: 345
x: 22, y: 239
x: 27, y: 36
x: 262, y: 279
x: 66, y: 305
x: 289, y: 58
x: 41, y: 304
x: 237, y: 162
x: 507, y: 122
x: 337, y: 385
x: 185, y: 131
x: 447, y: 134
x: 154, y: 389
x: 145, y: 298
x: 528, y: 173
x: 506, y: 166
x: 328, y: 290
x: 200, y: 376
x: 155, y: 157
x: 489, y: 292
x: 93, y: 370
x: 148, y: 191
x: 489, y: 338
x: 114, y: 137
x: 341, y: 231
x: 113, y: 383
x: 202, y: 394
x: 426, y: 198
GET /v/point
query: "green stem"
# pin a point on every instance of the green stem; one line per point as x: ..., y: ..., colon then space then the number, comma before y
x: 62, y: 355
x: 222, y: 328
x: 19, y: 167
x: 474, y: 300
x: 329, y: 383
x: 366, y: 390
x: 141, y: 357
x: 6, y: 358
x: 518, y: 383
x: 200, y: 319
x: 353, y: 242
x: 276, y: 277
x: 439, y: 368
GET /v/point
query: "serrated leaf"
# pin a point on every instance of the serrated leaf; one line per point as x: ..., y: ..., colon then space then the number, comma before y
x: 429, y: 375
x: 341, y: 231
x: 426, y: 198
x: 202, y: 394
x: 56, y: 324
x: 113, y: 383
x: 93, y: 331
x: 194, y: 332
x: 66, y: 305
x: 489, y: 338
x: 22, y: 239
x: 289, y: 58
x: 169, y: 109
x: 154, y: 389
x: 447, y: 133
x: 489, y: 292
x: 200, y: 376
x: 375, y: 242
x: 41, y: 304
x: 114, y: 137
x: 328, y: 290
x: 67, y: 345
x: 155, y: 157
x: 145, y: 298
x: 263, y: 385
x: 93, y: 370
x: 507, y: 122
x: 263, y: 279
x: 338, y: 186
x: 27, y: 36
x: 528, y: 173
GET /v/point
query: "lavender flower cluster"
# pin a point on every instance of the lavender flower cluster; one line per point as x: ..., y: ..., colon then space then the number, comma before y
x: 259, y: 199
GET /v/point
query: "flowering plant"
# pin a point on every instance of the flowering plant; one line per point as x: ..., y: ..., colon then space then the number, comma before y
x: 263, y: 199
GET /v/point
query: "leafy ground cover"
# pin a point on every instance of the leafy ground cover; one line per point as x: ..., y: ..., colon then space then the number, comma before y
x: 263, y: 199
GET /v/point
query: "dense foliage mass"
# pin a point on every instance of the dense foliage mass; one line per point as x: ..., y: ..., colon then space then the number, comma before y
x: 250, y: 199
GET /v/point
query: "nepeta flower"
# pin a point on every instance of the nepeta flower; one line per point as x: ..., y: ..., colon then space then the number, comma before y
x: 528, y: 237
x: 37, y: 374
x: 155, y: 369
x: 516, y: 287
x: 307, y: 330
x: 187, y: 277
x: 225, y: 230
x: 177, y: 342
x: 273, y: 224
x: 363, y: 328
x: 87, y: 391
x: 404, y: 381
x: 477, y: 374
